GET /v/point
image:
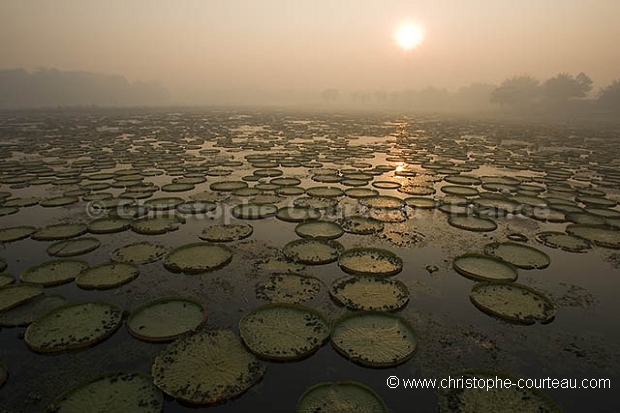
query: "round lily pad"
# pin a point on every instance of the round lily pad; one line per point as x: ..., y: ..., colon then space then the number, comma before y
x: 73, y: 326
x: 485, y: 268
x: 283, y: 331
x: 13, y: 295
x: 139, y: 253
x: 288, y: 288
x: 386, y: 184
x: 53, y: 273
x: 228, y: 186
x: 513, y: 302
x: 156, y: 225
x: 166, y: 319
x: 73, y: 247
x: 519, y: 255
x: 59, y: 232
x: 297, y: 214
x: 472, y: 223
x: 600, y: 235
x: 58, y: 201
x: 313, y: 251
x: 106, y: 276
x: 563, y: 241
x: 468, y: 399
x: 324, y: 192
x: 340, y: 397
x: 6, y: 279
x: 359, y: 193
x: 361, y: 225
x: 164, y: 203
x: 196, y: 207
x: 370, y: 293
x: 108, y: 225
x: 197, y: 257
x: 111, y: 393
x: 319, y: 229
x: 383, y: 202
x: 420, y: 202
x: 370, y: 261
x: 374, y: 339
x: 30, y: 310
x: 16, y: 233
x: 206, y: 368
x: 226, y: 232
x: 254, y: 211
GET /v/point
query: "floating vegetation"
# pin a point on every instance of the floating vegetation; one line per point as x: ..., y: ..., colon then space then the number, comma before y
x: 106, y: 276
x: 283, y: 331
x: 360, y: 193
x: 340, y: 397
x: 28, y: 311
x: 386, y: 184
x: 166, y: 319
x: 492, y: 399
x: 197, y: 258
x: 374, y: 339
x: 6, y: 279
x: 420, y: 190
x: 370, y: 261
x: 73, y: 326
x: 254, y: 211
x: 206, y: 368
x: 228, y: 186
x: 324, y: 192
x: 288, y: 288
x: 361, y: 225
x: 53, y: 273
x: 163, y: 203
x: 563, y: 241
x: 13, y: 295
x: 16, y: 233
x: 472, y: 223
x: 108, y: 225
x: 110, y: 393
x: 60, y: 232
x: 519, y: 255
x: 156, y: 225
x: 226, y: 232
x: 370, y: 293
x: 139, y: 253
x: 513, y: 302
x: 420, y: 202
x: 297, y: 214
x: 313, y: 251
x: 383, y: 202
x: 600, y: 235
x: 481, y: 267
x: 316, y: 203
x: 71, y: 248
x: 58, y: 201
x: 319, y: 229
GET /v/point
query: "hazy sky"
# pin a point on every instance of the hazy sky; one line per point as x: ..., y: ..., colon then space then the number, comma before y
x: 314, y: 44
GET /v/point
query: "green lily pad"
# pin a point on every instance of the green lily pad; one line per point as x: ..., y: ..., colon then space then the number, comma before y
x: 72, y: 326
x: 313, y: 251
x: 58, y: 201
x: 106, y: 276
x: 254, y: 211
x: 324, y: 192
x: 52, y: 273
x: 156, y: 225
x: 519, y: 255
x: 370, y: 293
x: 361, y: 225
x: 297, y: 214
x: 28, y: 311
x: 472, y: 223
x: 164, y: 203
x: 374, y: 339
x: 111, y: 393
x: 481, y: 267
x: 383, y: 202
x: 226, y: 232
x: 288, y: 288
x: 340, y: 397
x: 13, y: 295
x: 73, y: 247
x: 228, y: 186
x: 108, y: 225
x: 283, y: 331
x: 600, y: 235
x: 563, y: 241
x: 206, y: 368
x: 141, y: 252
x: 197, y: 258
x: 513, y: 302
x: 166, y: 319
x: 319, y: 229
x: 6, y: 279
x: 60, y: 232
x: 370, y: 261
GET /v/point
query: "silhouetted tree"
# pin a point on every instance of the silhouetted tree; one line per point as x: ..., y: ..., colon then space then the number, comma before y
x: 563, y: 87
x: 610, y: 96
x: 519, y: 92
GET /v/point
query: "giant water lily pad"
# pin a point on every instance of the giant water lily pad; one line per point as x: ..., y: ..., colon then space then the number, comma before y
x: 197, y: 257
x: 288, y: 288
x: 206, y: 368
x: 370, y: 293
x: 513, y: 302
x: 53, y: 273
x: 283, y: 331
x: 13, y: 295
x: 340, y: 397
x: 319, y: 229
x: 361, y: 225
x: 73, y: 326
x: 472, y: 223
x: 519, y: 255
x: 370, y: 261
x: 313, y: 251
x: 108, y: 225
x: 166, y: 319
x: 254, y: 211
x: 156, y: 225
x: 600, y: 235
x: 479, y: 399
x: 139, y: 253
x: 297, y: 214
x: 30, y: 310
x: 6, y: 279
x: 563, y: 241
x: 485, y: 268
x: 226, y: 232
x: 374, y: 339
x: 73, y: 247
x: 112, y: 393
x: 106, y: 276
x: 59, y: 232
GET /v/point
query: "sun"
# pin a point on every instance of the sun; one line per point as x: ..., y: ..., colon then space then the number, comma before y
x: 409, y: 35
